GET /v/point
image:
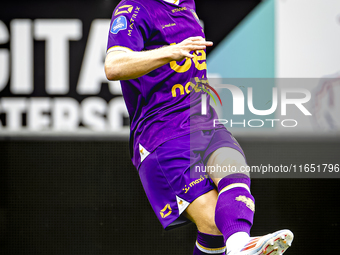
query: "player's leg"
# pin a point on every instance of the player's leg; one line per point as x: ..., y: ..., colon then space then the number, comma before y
x: 202, y: 212
x: 173, y: 193
x: 235, y: 207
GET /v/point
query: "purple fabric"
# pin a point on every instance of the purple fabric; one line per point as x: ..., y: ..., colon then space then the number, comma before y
x: 166, y: 173
x: 158, y: 110
x: 208, y: 241
x: 170, y: 171
x: 233, y: 216
x: 233, y: 178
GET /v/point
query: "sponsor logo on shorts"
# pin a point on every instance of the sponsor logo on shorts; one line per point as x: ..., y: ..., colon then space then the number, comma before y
x: 118, y: 24
x: 124, y: 9
x: 193, y: 183
x: 249, y: 203
x: 166, y: 211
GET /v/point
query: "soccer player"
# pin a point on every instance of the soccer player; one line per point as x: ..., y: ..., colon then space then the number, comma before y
x: 157, y: 49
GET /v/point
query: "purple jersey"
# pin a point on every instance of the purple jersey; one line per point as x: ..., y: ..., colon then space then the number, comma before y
x: 158, y: 103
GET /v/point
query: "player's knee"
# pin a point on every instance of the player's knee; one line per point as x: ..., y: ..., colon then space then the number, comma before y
x: 225, y: 161
x: 206, y: 221
x: 233, y: 166
x: 226, y: 156
x: 207, y: 225
x: 202, y: 212
x: 211, y: 230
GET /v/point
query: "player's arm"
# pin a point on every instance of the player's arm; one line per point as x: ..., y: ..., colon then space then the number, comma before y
x: 121, y: 65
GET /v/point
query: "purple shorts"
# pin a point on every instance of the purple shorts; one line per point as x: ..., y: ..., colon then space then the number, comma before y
x: 166, y: 178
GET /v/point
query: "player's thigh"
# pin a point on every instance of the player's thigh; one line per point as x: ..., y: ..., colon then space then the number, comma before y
x: 226, y: 161
x: 202, y: 212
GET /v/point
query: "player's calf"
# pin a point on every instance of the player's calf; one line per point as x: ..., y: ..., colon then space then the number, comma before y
x: 202, y: 212
x: 235, y: 211
x: 235, y: 206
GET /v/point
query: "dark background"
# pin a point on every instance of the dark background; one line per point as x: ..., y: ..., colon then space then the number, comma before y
x: 83, y: 196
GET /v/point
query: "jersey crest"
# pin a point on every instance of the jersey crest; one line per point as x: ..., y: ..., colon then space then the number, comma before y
x: 124, y: 9
x: 118, y: 24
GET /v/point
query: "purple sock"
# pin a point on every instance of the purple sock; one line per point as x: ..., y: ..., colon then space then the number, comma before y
x: 235, y: 205
x: 206, y: 244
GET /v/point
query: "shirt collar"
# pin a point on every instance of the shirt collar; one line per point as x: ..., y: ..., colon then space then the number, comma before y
x: 176, y: 2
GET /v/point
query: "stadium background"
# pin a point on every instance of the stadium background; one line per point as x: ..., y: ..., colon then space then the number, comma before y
x: 67, y: 185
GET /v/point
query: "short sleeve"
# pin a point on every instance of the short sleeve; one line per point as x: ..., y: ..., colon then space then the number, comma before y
x: 130, y: 27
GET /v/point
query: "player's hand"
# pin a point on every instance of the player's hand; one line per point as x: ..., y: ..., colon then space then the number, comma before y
x: 182, y: 50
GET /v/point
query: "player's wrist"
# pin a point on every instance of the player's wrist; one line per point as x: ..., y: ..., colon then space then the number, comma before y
x: 167, y: 53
